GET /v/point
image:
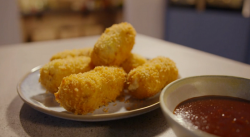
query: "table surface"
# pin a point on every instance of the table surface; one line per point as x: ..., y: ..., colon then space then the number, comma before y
x: 19, y: 119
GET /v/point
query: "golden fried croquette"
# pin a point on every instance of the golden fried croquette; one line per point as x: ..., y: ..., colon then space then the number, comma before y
x: 114, y: 45
x: 52, y: 73
x: 133, y: 61
x: 147, y: 80
x: 72, y: 53
x: 84, y: 92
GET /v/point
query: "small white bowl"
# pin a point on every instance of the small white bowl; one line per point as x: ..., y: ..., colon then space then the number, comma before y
x: 185, y: 88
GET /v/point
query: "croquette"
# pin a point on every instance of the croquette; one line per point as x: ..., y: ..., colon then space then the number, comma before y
x: 84, y: 92
x: 133, y: 61
x: 147, y: 80
x: 52, y: 73
x: 72, y: 53
x: 114, y: 46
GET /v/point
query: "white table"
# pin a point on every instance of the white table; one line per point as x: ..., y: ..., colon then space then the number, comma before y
x: 19, y: 119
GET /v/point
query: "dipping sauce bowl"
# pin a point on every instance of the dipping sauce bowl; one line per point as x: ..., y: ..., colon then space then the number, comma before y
x: 199, y: 86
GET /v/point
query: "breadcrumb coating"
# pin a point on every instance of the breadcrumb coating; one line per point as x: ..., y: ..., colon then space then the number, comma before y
x: 84, y: 92
x: 133, y: 61
x: 72, y: 53
x: 52, y: 73
x: 147, y: 80
x: 114, y: 45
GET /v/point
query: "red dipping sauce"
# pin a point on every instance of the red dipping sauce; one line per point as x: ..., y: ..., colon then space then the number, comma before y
x: 218, y: 115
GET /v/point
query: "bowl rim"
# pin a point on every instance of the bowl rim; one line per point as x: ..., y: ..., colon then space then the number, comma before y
x: 170, y: 114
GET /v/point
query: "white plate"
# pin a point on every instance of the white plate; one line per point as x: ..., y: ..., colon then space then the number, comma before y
x: 32, y: 93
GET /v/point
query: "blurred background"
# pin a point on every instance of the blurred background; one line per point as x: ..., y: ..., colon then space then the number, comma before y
x: 220, y: 27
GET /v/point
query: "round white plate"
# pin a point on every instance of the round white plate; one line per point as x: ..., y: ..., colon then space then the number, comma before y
x: 32, y: 93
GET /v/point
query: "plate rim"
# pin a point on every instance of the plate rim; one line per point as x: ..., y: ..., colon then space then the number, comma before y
x: 87, y: 118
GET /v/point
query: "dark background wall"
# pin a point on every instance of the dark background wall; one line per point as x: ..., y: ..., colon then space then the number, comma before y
x: 224, y: 33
